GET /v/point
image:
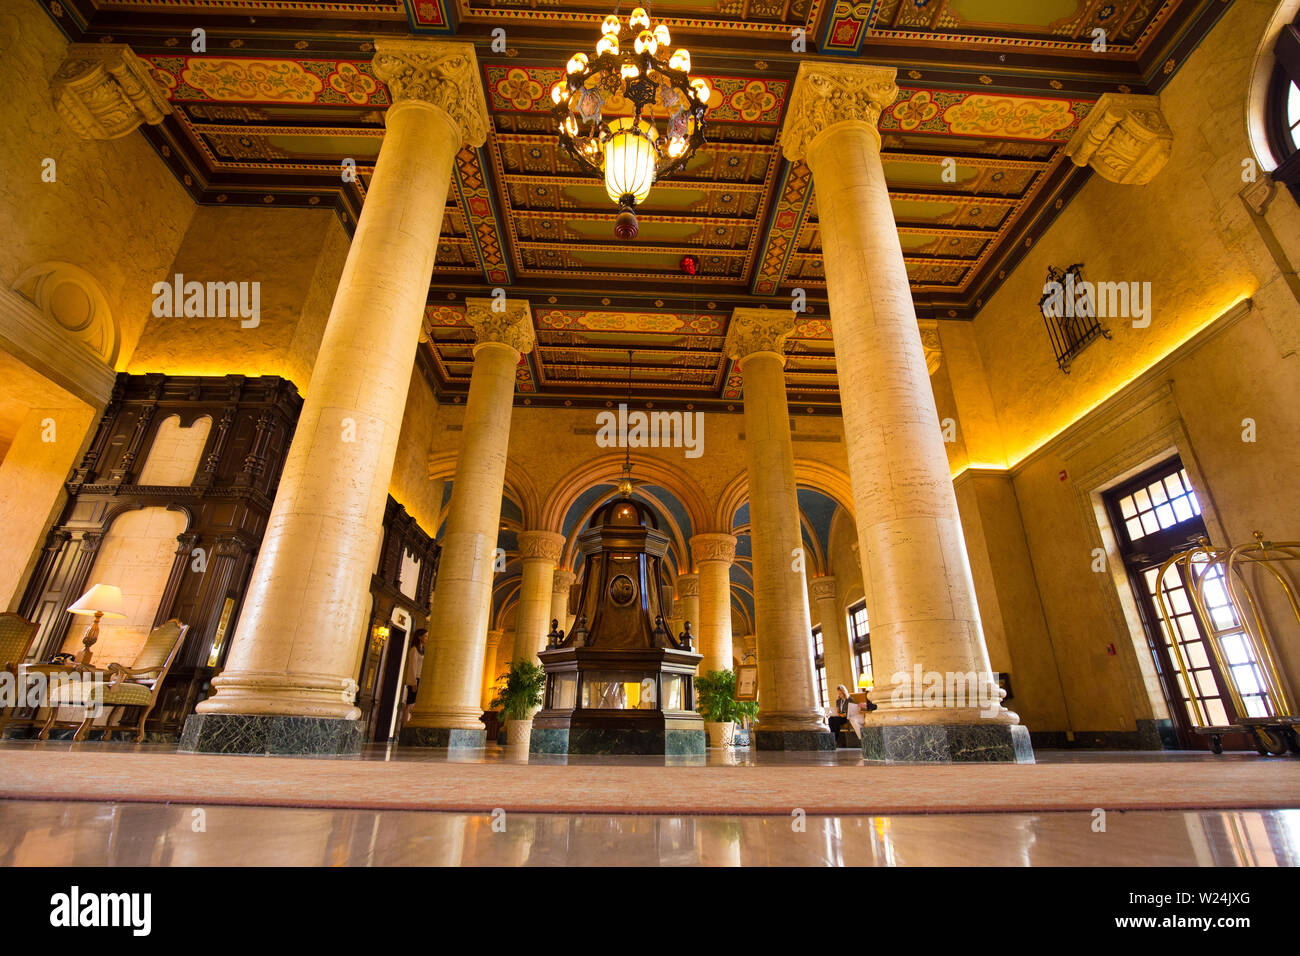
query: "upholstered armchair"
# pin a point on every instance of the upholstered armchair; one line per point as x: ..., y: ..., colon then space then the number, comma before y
x: 16, y: 637
x: 135, y: 686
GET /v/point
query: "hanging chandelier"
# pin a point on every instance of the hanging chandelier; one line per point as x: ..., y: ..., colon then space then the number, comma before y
x: 630, y: 151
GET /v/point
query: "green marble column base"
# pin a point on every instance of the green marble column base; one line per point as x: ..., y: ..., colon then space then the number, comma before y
x: 815, y: 740
x: 600, y: 741
x: 445, y: 738
x: 947, y: 743
x: 260, y: 734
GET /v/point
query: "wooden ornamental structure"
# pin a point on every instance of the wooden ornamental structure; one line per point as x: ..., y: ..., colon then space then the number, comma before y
x: 619, y: 682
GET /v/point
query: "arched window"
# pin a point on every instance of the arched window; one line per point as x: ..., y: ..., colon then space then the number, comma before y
x: 1283, y: 124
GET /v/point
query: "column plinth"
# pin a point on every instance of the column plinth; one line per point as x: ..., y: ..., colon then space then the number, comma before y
x: 789, y: 716
x: 446, y: 712
x: 289, y: 683
x: 920, y: 595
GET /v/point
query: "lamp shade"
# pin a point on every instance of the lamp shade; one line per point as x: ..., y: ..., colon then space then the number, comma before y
x: 629, y: 159
x: 865, y: 681
x: 103, y: 599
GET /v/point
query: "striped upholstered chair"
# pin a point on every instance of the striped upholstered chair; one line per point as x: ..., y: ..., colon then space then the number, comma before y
x: 16, y: 637
x: 135, y: 686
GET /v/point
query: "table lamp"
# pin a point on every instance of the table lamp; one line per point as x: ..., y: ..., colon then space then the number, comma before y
x: 102, y: 600
x: 865, y: 682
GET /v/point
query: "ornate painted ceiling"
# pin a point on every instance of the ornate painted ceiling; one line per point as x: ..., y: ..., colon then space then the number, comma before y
x: 283, y: 95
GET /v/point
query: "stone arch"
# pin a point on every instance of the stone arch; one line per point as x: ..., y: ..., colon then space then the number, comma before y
x: 56, y: 319
x: 607, y: 469
x: 518, y: 486
x: 815, y: 475
x: 1260, y: 78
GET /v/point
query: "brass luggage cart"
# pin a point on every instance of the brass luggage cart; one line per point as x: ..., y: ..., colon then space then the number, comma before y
x: 1227, y: 588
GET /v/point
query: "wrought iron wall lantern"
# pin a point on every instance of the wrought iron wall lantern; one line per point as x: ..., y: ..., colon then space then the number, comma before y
x: 629, y: 151
x: 1069, y: 309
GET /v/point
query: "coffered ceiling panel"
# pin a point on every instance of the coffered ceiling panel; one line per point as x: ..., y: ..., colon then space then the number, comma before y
x: 281, y: 108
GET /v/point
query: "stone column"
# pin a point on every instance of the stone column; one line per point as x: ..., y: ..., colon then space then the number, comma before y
x: 790, y: 717
x: 713, y: 554
x: 539, y: 552
x: 490, y: 668
x: 563, y: 581
x: 289, y: 682
x: 688, y: 594
x: 446, y: 711
x: 829, y: 613
x: 924, y: 621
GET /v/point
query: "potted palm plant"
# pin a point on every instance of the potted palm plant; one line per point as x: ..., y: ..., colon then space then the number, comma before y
x: 519, y: 694
x: 715, y: 699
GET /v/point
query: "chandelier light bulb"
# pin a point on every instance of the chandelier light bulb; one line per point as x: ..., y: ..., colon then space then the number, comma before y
x: 680, y: 60
x: 661, y: 34
x: 646, y: 42
x: 571, y: 126
x: 676, y: 147
x: 639, y: 20
x: 701, y: 88
x: 630, y: 72
x: 557, y: 93
x: 611, y: 26
x: 577, y: 63
x: 608, y: 44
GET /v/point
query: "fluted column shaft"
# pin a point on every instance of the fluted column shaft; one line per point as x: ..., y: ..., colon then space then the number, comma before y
x: 920, y: 592
x: 789, y: 711
x: 835, y: 645
x: 539, y: 551
x: 562, y: 582
x: 305, y: 610
x: 490, y: 668
x: 713, y: 555
x: 462, y: 597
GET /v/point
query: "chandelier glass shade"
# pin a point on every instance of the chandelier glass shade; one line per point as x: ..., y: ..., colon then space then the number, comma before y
x: 632, y: 113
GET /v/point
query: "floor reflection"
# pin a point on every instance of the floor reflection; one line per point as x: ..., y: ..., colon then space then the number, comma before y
x: 38, y: 833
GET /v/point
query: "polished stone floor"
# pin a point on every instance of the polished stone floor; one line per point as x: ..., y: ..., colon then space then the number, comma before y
x: 34, y: 833
x: 43, y: 833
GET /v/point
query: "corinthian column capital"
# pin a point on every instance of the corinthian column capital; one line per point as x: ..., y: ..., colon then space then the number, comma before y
x: 503, y: 321
x: 823, y: 589
x: 688, y: 585
x: 541, y: 545
x: 1125, y: 139
x: 713, y: 547
x: 494, y: 638
x: 563, y: 581
x: 828, y: 94
x: 104, y: 91
x: 932, y: 345
x: 758, y: 330
x: 443, y: 73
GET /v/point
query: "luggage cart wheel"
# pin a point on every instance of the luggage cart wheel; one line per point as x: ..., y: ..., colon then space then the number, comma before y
x: 1269, y: 741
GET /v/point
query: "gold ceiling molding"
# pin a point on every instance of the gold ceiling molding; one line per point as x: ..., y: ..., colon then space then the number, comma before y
x: 826, y: 95
x: 440, y: 72
x: 105, y: 91
x: 1125, y: 139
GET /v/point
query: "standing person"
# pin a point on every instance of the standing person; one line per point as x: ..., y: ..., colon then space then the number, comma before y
x: 414, y: 664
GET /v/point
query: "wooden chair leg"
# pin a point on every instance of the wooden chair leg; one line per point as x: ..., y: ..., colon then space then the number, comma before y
x: 83, y: 731
x: 49, y: 722
x: 139, y: 728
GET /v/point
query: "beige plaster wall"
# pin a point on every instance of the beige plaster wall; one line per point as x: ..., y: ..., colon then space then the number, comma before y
x: 1191, y: 237
x: 115, y: 209
x: 296, y: 255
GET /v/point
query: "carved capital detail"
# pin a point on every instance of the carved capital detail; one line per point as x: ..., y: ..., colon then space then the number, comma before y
x: 688, y: 585
x: 563, y: 581
x: 507, y: 322
x: 494, y: 638
x: 441, y: 72
x: 758, y: 330
x: 1125, y: 139
x: 546, y: 545
x: 933, y: 346
x: 105, y: 91
x: 827, y: 94
x: 713, y: 547
x: 822, y: 589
